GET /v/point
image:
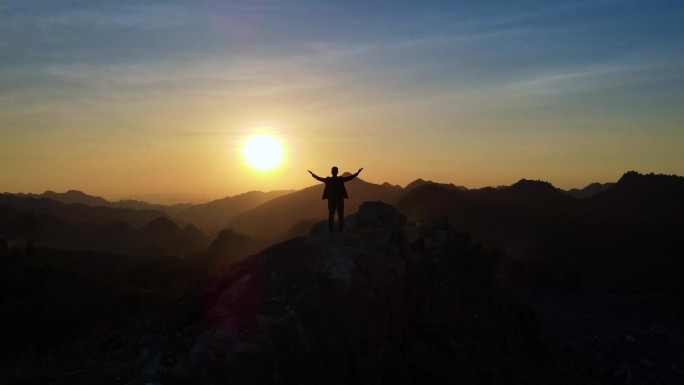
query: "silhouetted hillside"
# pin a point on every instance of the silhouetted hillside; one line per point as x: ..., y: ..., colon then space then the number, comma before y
x: 77, y: 212
x: 389, y: 301
x: 214, y: 216
x: 531, y: 189
x: 165, y: 235
x: 510, y: 218
x: 420, y: 182
x: 627, y: 237
x: 211, y: 217
x: 642, y: 196
x: 75, y: 196
x: 227, y: 249
x: 273, y: 219
x: 77, y: 226
x: 133, y: 204
x: 589, y: 190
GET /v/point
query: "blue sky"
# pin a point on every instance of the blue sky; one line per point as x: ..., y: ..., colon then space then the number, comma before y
x: 479, y: 93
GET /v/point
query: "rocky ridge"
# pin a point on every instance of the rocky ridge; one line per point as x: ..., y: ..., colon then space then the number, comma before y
x: 387, y: 302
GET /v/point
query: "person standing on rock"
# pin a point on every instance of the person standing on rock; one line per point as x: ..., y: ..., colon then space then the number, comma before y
x: 335, y: 193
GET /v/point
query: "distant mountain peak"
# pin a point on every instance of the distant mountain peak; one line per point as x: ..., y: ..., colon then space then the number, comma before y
x: 417, y: 183
x: 422, y: 182
x: 162, y: 224
x: 527, y: 185
x: 75, y: 196
x: 659, y: 188
x: 630, y: 177
x: 635, y: 178
x: 589, y: 190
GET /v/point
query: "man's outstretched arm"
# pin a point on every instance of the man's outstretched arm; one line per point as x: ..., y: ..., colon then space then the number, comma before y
x: 353, y: 175
x: 318, y: 178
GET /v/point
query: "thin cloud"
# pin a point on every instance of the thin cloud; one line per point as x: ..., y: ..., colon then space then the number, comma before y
x: 95, y: 15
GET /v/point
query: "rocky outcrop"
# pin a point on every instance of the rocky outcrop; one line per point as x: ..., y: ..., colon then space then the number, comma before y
x: 385, y: 303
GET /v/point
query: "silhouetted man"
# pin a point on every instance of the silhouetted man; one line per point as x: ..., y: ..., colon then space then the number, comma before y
x: 335, y: 193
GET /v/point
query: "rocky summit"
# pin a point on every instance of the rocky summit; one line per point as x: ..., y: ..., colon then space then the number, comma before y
x: 387, y: 302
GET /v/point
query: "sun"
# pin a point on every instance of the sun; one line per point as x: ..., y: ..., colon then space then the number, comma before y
x: 262, y: 152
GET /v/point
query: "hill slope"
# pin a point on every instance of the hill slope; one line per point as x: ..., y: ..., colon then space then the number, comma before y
x: 214, y: 216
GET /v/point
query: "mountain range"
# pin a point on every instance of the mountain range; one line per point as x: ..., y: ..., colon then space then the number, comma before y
x: 623, y: 234
x: 626, y: 237
x: 515, y: 284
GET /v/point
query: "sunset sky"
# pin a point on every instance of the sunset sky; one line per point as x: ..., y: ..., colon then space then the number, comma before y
x: 131, y: 98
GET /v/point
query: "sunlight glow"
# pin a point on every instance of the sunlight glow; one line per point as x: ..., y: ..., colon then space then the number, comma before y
x: 262, y: 152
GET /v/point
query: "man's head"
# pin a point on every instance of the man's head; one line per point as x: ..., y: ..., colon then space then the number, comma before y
x: 334, y: 171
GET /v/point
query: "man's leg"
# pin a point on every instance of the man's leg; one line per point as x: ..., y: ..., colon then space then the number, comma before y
x: 331, y: 215
x: 340, y: 214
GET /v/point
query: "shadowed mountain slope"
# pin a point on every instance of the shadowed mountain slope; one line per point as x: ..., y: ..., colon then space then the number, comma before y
x: 641, y: 196
x: 78, y: 212
x: 627, y: 237
x: 166, y: 235
x: 509, y: 218
x: 210, y: 217
x: 75, y: 196
x: 420, y: 182
x: 630, y: 236
x: 214, y: 216
x: 228, y: 249
x: 589, y: 190
x: 77, y: 226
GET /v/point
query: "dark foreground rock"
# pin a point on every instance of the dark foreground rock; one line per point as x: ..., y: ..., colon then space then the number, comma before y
x: 386, y: 303
x: 615, y: 338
